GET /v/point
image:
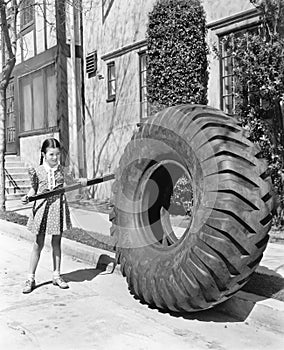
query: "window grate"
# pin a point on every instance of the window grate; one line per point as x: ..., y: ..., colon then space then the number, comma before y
x: 91, y: 64
x: 228, y: 79
x: 143, y: 85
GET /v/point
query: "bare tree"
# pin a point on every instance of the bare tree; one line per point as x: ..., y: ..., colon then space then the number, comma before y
x: 8, y: 32
x: 9, y: 10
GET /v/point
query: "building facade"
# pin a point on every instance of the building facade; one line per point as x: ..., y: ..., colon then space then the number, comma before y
x: 115, y: 94
x: 81, y: 76
x: 44, y: 96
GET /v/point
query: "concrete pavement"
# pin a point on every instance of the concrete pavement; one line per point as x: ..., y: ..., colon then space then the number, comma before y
x: 97, y: 312
x: 243, y: 304
x: 272, y: 262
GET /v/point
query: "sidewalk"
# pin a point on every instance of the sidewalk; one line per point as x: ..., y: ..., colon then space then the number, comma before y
x: 272, y: 262
x: 98, y: 312
x: 245, y: 305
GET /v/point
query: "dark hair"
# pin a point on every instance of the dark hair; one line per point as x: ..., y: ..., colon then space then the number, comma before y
x: 48, y: 143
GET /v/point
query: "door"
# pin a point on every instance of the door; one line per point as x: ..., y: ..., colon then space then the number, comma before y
x: 11, y: 129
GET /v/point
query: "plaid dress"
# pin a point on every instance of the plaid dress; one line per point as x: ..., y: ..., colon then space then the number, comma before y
x: 49, y: 215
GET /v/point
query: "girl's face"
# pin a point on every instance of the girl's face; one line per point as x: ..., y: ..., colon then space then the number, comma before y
x: 52, y: 156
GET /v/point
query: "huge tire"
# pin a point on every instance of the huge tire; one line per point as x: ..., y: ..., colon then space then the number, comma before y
x: 232, y: 204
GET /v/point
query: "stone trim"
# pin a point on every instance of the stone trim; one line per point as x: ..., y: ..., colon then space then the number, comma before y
x: 235, y: 21
x: 124, y: 49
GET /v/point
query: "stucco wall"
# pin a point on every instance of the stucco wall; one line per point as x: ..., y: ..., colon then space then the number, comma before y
x: 31, y: 146
x: 218, y: 9
x: 109, y: 125
x: 125, y: 24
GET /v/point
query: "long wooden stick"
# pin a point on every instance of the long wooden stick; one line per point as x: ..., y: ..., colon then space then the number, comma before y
x: 62, y: 190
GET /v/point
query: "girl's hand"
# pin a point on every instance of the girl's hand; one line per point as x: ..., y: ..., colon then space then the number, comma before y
x: 83, y: 181
x: 25, y: 199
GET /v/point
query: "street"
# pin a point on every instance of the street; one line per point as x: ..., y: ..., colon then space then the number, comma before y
x: 98, y: 312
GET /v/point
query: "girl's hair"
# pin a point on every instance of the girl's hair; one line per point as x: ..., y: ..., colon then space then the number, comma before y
x: 48, y: 143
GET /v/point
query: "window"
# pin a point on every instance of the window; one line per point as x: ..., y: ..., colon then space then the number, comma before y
x: 38, y: 99
x: 27, y: 13
x: 143, y: 85
x: 11, y: 122
x: 111, y: 82
x: 228, y: 81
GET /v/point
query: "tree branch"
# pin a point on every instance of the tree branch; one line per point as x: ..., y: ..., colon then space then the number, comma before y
x: 5, y: 28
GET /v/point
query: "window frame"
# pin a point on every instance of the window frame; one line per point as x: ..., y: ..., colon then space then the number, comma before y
x: 142, y: 55
x: 231, y: 107
x: 110, y: 79
x: 27, y: 10
x: 10, y: 102
x: 44, y: 73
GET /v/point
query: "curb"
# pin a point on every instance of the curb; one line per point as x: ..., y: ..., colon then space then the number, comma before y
x: 242, y: 306
x: 93, y: 256
x: 252, y: 308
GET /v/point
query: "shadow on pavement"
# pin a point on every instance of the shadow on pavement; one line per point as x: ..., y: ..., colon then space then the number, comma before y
x: 270, y: 285
x: 233, y: 310
x: 105, y: 264
x: 42, y: 284
x: 81, y: 275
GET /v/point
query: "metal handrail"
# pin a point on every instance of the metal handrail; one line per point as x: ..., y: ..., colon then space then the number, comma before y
x: 11, y: 180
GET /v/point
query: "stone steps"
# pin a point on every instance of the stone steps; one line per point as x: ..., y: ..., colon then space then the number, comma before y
x: 17, y: 181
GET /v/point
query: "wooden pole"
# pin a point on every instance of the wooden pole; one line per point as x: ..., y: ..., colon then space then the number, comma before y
x: 62, y: 190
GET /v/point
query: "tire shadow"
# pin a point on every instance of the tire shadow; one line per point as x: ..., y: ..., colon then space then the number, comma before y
x: 221, y: 313
x: 238, y: 308
x: 81, y: 275
x: 233, y: 310
x: 105, y: 264
x: 267, y: 283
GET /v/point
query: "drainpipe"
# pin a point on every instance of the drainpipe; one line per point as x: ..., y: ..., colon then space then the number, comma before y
x: 83, y: 153
x: 74, y: 154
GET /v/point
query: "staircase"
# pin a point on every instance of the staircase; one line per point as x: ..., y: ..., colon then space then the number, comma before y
x: 17, y: 180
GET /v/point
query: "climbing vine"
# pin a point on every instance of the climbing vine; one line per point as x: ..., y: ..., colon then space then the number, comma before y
x: 258, y: 70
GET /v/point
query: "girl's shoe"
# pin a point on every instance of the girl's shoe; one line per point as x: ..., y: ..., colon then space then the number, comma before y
x: 29, y: 286
x: 59, y: 281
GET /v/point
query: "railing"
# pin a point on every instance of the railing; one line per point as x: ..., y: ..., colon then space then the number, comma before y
x: 11, y: 181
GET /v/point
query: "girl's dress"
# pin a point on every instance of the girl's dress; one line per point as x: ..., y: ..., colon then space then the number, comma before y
x: 49, y: 215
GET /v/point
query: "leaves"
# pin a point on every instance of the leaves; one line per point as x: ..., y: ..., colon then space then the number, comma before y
x: 177, y: 54
x: 258, y: 69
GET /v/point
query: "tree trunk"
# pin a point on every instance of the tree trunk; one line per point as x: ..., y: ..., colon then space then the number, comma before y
x: 8, y: 33
x: 2, y: 147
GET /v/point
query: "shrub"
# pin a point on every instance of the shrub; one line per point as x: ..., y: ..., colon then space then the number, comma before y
x: 182, y: 197
x: 177, y: 54
x: 177, y: 67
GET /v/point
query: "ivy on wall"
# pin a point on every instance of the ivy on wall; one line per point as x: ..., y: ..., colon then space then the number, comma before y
x: 177, y: 54
x: 258, y: 68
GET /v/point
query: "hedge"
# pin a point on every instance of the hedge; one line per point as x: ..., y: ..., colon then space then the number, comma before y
x: 177, y: 54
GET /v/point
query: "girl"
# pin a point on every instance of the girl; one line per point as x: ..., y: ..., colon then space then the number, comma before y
x: 49, y: 215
